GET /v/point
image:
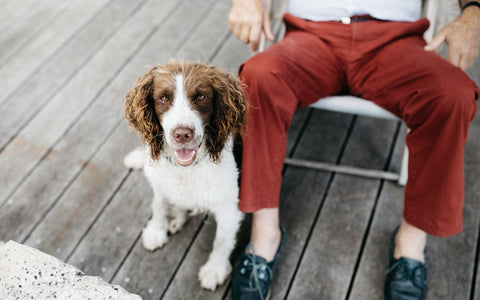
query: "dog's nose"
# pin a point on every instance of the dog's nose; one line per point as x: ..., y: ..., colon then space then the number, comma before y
x: 183, y: 134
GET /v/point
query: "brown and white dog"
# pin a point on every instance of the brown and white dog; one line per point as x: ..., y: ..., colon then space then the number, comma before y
x: 188, y: 115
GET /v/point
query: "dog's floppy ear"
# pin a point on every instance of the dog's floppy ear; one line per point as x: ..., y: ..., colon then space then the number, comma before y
x: 230, y: 111
x: 140, y: 113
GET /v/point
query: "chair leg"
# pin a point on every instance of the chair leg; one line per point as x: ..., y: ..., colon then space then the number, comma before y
x: 402, y: 179
x: 329, y: 167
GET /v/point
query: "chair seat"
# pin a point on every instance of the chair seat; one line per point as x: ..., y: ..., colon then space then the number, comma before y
x: 353, y: 105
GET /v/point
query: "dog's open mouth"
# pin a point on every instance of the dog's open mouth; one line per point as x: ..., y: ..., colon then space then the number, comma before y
x: 185, y: 157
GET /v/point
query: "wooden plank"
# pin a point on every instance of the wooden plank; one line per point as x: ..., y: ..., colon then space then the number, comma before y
x: 65, y: 223
x: 110, y: 239
x: 41, y: 87
x: 185, y: 284
x: 26, y: 25
x: 62, y: 238
x: 229, y: 57
x: 99, y: 115
x: 39, y: 192
x: 4, y: 2
x: 329, y: 260
x: 11, y: 10
x: 369, y: 279
x: 16, y: 71
x: 208, y: 37
x: 37, y: 138
x: 148, y: 273
x: 299, y: 120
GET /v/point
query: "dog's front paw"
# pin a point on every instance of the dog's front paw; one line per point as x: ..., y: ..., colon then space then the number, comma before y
x: 154, y: 237
x: 213, y: 273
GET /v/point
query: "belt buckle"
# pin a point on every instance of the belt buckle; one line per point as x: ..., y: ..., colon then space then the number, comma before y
x: 346, y: 20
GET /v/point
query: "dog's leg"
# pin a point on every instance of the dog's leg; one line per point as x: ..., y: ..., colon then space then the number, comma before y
x: 178, y: 218
x: 218, y: 267
x: 155, y: 233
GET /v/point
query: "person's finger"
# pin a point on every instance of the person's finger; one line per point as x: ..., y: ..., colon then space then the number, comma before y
x: 254, y: 37
x: 436, y: 41
x: 235, y: 28
x: 244, y: 33
x: 267, y: 28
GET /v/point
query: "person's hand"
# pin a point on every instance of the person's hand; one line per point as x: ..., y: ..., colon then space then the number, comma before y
x: 247, y: 20
x: 462, y: 36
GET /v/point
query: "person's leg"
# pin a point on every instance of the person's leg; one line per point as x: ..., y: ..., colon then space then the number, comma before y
x: 292, y: 73
x: 266, y: 235
x: 410, y: 242
x: 437, y: 101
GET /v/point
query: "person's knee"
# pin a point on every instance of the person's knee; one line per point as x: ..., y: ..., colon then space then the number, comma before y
x: 452, y: 96
x: 457, y: 97
x: 259, y: 70
x: 260, y: 75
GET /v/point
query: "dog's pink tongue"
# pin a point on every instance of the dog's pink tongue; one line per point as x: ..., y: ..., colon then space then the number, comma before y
x: 185, y: 157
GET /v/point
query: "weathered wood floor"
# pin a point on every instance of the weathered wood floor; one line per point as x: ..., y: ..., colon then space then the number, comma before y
x: 64, y: 68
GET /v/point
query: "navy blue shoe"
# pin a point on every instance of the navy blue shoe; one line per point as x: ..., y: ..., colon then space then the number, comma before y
x: 406, y: 278
x: 252, y: 277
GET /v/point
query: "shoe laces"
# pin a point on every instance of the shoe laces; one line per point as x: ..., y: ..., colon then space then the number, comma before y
x: 259, y: 271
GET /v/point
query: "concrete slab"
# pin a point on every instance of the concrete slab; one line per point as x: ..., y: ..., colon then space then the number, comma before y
x: 27, y: 273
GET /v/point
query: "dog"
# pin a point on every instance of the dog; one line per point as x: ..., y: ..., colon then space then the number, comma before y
x: 188, y: 115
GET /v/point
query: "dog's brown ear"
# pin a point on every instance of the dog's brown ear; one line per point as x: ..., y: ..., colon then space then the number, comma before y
x: 140, y: 113
x: 229, y: 113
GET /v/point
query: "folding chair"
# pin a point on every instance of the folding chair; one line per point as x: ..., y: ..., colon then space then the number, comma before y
x: 358, y: 106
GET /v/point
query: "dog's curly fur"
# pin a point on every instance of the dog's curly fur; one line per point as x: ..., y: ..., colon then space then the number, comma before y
x: 230, y: 106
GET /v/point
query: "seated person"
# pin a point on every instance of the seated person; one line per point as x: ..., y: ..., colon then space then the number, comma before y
x: 378, y: 53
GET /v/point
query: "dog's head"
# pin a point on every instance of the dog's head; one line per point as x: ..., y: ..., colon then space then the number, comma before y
x: 185, y: 108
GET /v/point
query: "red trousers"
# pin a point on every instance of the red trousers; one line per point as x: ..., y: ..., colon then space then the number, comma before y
x: 381, y: 61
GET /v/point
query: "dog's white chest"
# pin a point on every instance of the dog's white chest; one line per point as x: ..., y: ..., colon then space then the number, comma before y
x: 203, y: 185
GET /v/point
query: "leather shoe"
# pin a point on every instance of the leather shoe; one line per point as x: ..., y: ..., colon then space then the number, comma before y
x: 406, y: 278
x: 252, y: 277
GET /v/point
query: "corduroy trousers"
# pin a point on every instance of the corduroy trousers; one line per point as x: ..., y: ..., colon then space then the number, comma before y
x: 378, y: 60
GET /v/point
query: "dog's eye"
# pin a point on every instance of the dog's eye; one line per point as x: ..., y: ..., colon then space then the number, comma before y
x: 201, y: 97
x: 164, y: 99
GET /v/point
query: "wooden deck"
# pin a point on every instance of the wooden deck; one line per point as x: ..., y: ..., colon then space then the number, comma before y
x: 64, y: 68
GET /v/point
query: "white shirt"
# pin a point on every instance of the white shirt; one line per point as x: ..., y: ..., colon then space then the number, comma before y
x: 328, y: 10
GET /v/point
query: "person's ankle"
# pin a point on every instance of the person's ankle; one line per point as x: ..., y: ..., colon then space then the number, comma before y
x: 266, y: 244
x: 410, y: 242
x: 266, y: 234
